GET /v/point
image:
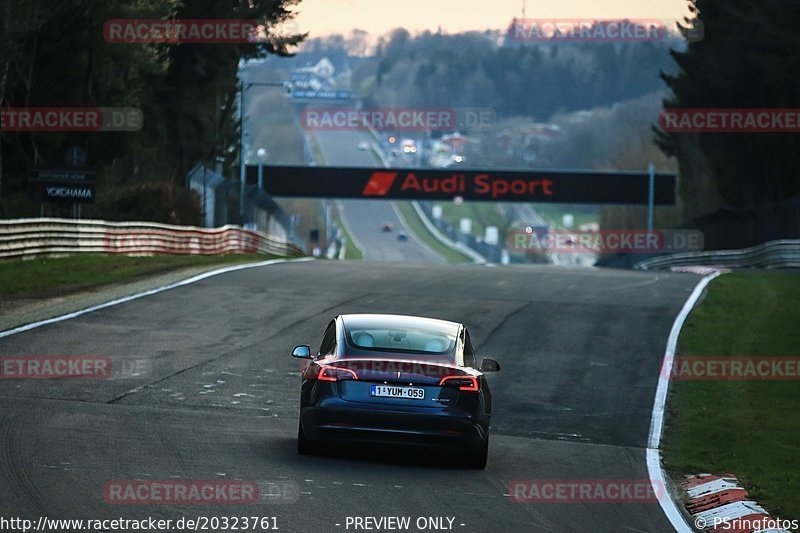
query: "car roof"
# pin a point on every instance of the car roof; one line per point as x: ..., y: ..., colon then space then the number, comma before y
x: 359, y: 321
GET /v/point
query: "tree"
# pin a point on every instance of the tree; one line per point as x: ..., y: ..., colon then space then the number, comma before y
x: 748, y: 58
x: 53, y: 53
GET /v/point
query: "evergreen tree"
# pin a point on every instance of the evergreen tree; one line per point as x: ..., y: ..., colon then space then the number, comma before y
x: 749, y: 57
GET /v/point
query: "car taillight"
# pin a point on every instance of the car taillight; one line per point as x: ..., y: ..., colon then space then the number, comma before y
x: 334, y: 373
x: 465, y: 383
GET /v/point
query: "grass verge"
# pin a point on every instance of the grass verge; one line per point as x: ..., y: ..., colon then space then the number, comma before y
x: 351, y: 250
x: 746, y: 428
x: 57, y: 276
x: 482, y: 214
x: 416, y: 226
x: 554, y: 214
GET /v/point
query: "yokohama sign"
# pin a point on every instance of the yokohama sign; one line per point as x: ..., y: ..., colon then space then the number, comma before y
x: 61, y: 185
x: 615, y: 188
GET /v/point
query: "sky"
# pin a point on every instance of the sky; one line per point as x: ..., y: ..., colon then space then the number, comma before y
x: 322, y: 17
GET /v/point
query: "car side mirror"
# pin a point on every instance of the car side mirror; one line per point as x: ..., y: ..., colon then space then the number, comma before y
x: 490, y: 365
x: 302, y: 352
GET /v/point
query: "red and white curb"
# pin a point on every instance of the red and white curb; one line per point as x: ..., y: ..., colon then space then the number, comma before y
x: 721, y: 503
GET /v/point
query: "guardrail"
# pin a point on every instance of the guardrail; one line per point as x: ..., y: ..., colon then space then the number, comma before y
x: 445, y: 239
x: 774, y: 254
x: 30, y: 237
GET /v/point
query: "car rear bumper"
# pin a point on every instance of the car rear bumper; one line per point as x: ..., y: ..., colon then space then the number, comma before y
x: 346, y: 422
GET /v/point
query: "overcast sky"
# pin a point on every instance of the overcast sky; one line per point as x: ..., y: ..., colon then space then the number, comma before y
x: 321, y: 17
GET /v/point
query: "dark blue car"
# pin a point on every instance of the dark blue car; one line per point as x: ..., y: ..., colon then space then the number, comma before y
x: 398, y: 380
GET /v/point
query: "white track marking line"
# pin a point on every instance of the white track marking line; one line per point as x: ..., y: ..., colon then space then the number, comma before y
x: 657, y: 477
x: 138, y: 295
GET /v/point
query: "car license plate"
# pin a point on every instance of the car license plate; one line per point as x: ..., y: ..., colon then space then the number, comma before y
x: 390, y: 391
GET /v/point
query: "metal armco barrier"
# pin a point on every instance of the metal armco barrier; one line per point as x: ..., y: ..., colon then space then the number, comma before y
x: 773, y: 254
x: 31, y: 237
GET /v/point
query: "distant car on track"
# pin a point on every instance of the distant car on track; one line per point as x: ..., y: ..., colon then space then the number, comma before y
x: 401, y: 236
x: 387, y: 227
x: 396, y: 379
x: 409, y: 146
x: 363, y: 145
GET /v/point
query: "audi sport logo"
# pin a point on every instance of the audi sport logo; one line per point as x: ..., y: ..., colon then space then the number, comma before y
x: 457, y: 184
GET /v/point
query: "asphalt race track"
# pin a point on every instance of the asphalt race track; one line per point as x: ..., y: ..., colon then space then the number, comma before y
x: 204, y: 389
x: 364, y: 217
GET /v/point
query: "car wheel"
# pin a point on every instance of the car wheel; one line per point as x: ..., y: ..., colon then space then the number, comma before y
x: 477, y: 460
x: 304, y: 446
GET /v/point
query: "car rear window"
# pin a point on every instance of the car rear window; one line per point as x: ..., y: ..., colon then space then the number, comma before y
x: 416, y: 340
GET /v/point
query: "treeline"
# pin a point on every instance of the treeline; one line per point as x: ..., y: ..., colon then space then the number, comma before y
x: 53, y: 53
x: 534, y: 80
x: 748, y: 57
